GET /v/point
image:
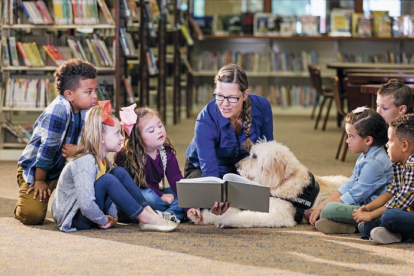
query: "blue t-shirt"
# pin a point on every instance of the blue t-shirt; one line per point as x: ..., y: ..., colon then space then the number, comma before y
x: 215, y: 149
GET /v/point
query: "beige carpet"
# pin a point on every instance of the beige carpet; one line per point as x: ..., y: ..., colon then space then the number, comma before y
x: 201, y: 249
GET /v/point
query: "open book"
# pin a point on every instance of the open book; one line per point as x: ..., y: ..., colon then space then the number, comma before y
x: 238, y: 191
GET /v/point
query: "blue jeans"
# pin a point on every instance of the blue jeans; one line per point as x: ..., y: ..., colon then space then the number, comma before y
x: 394, y: 220
x: 117, y: 187
x: 157, y: 204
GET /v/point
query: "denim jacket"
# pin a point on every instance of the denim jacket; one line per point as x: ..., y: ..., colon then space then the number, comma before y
x: 371, y: 176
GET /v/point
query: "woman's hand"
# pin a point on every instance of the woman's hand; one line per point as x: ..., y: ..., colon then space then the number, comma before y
x: 220, y: 208
x: 195, y: 215
x: 111, y: 222
x: 167, y: 198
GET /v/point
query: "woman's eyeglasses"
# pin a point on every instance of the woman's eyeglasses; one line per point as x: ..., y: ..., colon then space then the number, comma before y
x: 230, y: 99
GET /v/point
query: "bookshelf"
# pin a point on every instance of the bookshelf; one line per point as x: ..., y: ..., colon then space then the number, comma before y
x: 326, y: 49
x: 94, y: 33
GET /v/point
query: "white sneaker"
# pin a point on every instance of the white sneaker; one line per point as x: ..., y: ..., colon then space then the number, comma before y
x: 361, y: 227
x: 381, y: 235
x: 168, y: 216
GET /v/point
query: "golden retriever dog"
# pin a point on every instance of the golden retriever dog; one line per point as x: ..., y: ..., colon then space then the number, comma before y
x: 274, y: 165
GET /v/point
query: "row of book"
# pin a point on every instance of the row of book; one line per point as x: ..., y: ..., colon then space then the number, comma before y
x: 386, y: 57
x: 65, y: 12
x: 28, y: 54
x: 278, y: 95
x: 40, y: 92
x: 22, y: 133
x: 256, y: 62
x: 292, y: 62
x: 376, y: 24
x: 29, y: 92
x: 213, y: 61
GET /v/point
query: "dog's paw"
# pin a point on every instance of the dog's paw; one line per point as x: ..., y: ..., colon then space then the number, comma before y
x: 220, y: 223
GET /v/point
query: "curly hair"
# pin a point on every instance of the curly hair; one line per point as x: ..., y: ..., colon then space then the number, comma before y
x: 135, y: 149
x: 402, y: 93
x: 404, y: 127
x: 369, y: 123
x: 233, y: 73
x: 69, y: 74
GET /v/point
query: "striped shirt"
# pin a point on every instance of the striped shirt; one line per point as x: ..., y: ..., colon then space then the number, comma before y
x: 402, y: 187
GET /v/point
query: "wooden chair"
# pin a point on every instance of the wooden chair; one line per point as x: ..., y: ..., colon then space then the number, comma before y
x: 339, y: 102
x: 321, y: 92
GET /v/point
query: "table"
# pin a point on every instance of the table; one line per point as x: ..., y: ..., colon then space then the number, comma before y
x: 373, y: 89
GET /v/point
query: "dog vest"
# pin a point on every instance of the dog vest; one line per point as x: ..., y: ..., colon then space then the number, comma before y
x: 306, y: 199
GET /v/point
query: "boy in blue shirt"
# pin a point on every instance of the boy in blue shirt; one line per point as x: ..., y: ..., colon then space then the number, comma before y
x: 55, y: 135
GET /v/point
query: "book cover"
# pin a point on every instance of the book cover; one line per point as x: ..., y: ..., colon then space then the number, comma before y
x: 205, y: 23
x: 45, y: 12
x: 266, y: 24
x: 247, y: 22
x: 105, y: 11
x: 234, y: 25
x: 238, y: 191
x: 186, y: 35
x: 340, y: 23
x: 288, y: 25
x: 23, y: 54
x: 128, y: 88
x: 309, y: 25
x: 220, y: 25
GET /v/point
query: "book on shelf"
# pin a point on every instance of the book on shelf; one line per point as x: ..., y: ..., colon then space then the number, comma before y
x: 382, y: 24
x: 205, y: 23
x: 23, y: 54
x: 17, y: 132
x: 13, y: 51
x: 309, y: 25
x: 184, y: 58
x: 33, y: 13
x: 149, y: 20
x: 127, y: 43
x: 44, y: 11
x: 247, y: 22
x: 85, y: 12
x: 63, y: 12
x: 155, y: 10
x: 340, y: 22
x: 234, y: 24
x: 220, y: 25
x: 54, y: 54
x: 238, y: 191
x: 151, y: 62
x: 266, y: 24
x: 76, y: 52
x: 6, y: 53
x: 130, y: 93
x: 106, y: 13
x: 361, y: 25
x: 287, y: 25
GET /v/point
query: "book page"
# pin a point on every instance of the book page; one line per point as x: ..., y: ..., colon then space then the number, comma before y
x: 202, y: 180
x: 237, y: 178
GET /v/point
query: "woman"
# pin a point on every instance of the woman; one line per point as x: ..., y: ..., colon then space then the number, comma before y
x: 227, y: 127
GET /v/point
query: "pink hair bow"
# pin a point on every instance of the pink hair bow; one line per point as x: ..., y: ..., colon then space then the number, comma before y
x: 106, y: 114
x: 128, y: 118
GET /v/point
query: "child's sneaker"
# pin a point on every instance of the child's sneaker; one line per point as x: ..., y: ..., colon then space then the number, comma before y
x: 381, y: 235
x: 361, y: 227
x: 327, y: 226
x: 168, y: 216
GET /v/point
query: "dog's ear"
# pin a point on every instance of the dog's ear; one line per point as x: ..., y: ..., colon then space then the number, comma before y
x: 273, y: 169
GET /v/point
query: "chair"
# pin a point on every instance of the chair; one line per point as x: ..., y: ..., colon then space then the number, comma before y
x: 321, y: 92
x: 339, y: 102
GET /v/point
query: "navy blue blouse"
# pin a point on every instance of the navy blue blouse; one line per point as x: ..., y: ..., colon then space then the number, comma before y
x: 215, y: 149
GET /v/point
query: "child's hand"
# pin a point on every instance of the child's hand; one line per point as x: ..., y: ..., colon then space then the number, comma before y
x: 361, y: 216
x: 41, y: 189
x: 167, y: 198
x: 220, y: 208
x: 195, y: 215
x: 316, y: 213
x: 111, y: 222
x: 68, y: 150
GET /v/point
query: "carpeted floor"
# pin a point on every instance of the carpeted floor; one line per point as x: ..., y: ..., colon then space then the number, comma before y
x: 201, y: 249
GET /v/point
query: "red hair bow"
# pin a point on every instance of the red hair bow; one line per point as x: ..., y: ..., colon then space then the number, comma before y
x: 106, y: 114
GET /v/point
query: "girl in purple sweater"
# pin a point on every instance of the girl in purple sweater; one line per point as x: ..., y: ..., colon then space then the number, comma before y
x: 149, y: 157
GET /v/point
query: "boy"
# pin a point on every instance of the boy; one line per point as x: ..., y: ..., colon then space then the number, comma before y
x: 55, y: 135
x: 393, y: 99
x: 390, y: 218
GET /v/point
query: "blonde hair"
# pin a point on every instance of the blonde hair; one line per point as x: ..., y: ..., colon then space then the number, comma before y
x: 91, y: 137
x: 233, y: 73
x: 135, y: 155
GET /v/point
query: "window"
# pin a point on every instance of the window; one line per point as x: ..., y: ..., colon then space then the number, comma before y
x: 393, y: 6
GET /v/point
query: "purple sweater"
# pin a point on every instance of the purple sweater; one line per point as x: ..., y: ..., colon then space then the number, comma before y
x: 155, y: 171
